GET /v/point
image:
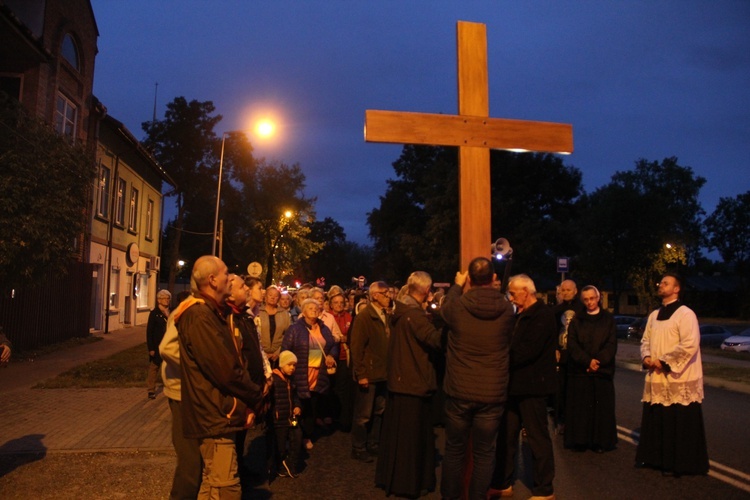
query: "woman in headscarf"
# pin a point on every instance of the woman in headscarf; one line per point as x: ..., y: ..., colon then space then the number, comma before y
x: 592, y: 345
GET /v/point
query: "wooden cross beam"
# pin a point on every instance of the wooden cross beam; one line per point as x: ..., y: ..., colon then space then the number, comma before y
x: 475, y: 133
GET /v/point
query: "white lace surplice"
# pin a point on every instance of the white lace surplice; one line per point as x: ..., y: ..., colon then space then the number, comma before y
x: 675, y: 341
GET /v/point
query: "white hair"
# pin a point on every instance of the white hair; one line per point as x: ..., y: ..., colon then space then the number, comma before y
x: 419, y: 281
x: 523, y: 281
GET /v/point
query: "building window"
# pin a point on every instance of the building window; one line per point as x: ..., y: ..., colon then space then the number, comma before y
x: 133, y: 212
x: 120, y: 206
x: 102, y: 192
x: 142, y: 291
x: 66, y: 114
x: 150, y: 220
x: 69, y: 51
x: 114, y: 288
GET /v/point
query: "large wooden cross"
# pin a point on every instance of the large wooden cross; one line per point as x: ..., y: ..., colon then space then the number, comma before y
x: 475, y: 133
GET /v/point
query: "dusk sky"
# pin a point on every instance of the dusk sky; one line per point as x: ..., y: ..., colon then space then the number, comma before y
x: 636, y: 79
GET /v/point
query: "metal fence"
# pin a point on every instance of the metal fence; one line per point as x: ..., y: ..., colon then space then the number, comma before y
x: 55, y: 310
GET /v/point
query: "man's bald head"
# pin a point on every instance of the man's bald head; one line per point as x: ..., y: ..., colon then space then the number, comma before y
x: 210, y: 277
x: 568, y: 290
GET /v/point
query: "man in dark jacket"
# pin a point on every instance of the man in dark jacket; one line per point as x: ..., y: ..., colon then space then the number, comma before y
x: 568, y: 307
x: 476, y: 378
x: 532, y: 380
x: 216, y: 385
x: 253, y: 453
x: 369, y: 355
x: 406, y: 459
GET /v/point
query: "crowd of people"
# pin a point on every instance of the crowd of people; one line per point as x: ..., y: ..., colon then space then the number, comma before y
x: 254, y: 377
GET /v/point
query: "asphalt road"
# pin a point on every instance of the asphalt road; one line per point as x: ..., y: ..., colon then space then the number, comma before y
x: 330, y: 473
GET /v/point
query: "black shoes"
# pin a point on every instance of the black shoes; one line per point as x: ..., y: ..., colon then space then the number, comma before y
x: 151, y: 395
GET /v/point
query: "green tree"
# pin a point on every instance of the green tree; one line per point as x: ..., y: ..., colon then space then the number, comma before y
x: 643, y: 278
x: 534, y: 199
x: 625, y: 225
x: 728, y: 230
x: 184, y: 143
x: 260, y: 231
x: 340, y: 260
x: 44, y: 182
x: 199, y: 219
x: 416, y: 225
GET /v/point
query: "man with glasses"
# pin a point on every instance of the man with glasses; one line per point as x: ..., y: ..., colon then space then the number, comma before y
x: 369, y: 355
x: 532, y: 381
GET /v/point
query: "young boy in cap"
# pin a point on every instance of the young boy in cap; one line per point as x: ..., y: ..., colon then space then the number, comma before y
x: 286, y: 409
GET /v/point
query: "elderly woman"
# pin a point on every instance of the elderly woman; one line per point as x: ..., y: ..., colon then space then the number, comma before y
x: 155, y: 328
x: 285, y: 301
x: 312, y: 342
x: 592, y: 345
x: 274, y: 320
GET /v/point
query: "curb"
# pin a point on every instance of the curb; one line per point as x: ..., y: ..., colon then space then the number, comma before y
x: 719, y: 383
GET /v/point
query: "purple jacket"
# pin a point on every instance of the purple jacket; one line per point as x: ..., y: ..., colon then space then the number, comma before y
x: 297, y: 340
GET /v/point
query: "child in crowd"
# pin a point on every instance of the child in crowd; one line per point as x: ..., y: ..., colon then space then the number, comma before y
x: 286, y: 409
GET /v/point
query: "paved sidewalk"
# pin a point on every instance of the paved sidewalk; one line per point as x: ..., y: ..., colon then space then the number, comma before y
x: 79, y: 420
x: 24, y: 374
x: 65, y: 420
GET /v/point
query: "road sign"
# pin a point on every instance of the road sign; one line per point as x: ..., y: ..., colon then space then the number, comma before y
x: 563, y: 264
x: 254, y: 269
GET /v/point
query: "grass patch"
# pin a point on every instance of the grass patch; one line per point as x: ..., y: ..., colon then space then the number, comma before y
x: 716, y: 370
x: 127, y: 368
x: 726, y: 372
x: 717, y: 351
x: 32, y: 354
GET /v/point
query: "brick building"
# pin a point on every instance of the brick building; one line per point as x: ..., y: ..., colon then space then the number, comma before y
x: 48, y: 50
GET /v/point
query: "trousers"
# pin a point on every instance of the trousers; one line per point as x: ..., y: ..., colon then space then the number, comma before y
x: 221, y: 480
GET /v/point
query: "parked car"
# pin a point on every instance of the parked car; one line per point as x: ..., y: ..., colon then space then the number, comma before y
x: 621, y: 325
x: 738, y: 343
x: 713, y: 335
x: 636, y: 328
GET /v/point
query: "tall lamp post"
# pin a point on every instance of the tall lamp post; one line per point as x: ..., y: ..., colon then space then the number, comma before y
x: 264, y: 129
x: 218, y: 192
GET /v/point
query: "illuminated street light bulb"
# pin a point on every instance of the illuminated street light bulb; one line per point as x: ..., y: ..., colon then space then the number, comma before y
x: 180, y: 263
x: 668, y: 245
x: 265, y: 128
x: 288, y: 214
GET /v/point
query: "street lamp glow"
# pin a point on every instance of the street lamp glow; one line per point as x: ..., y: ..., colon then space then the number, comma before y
x: 288, y: 214
x: 265, y: 128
